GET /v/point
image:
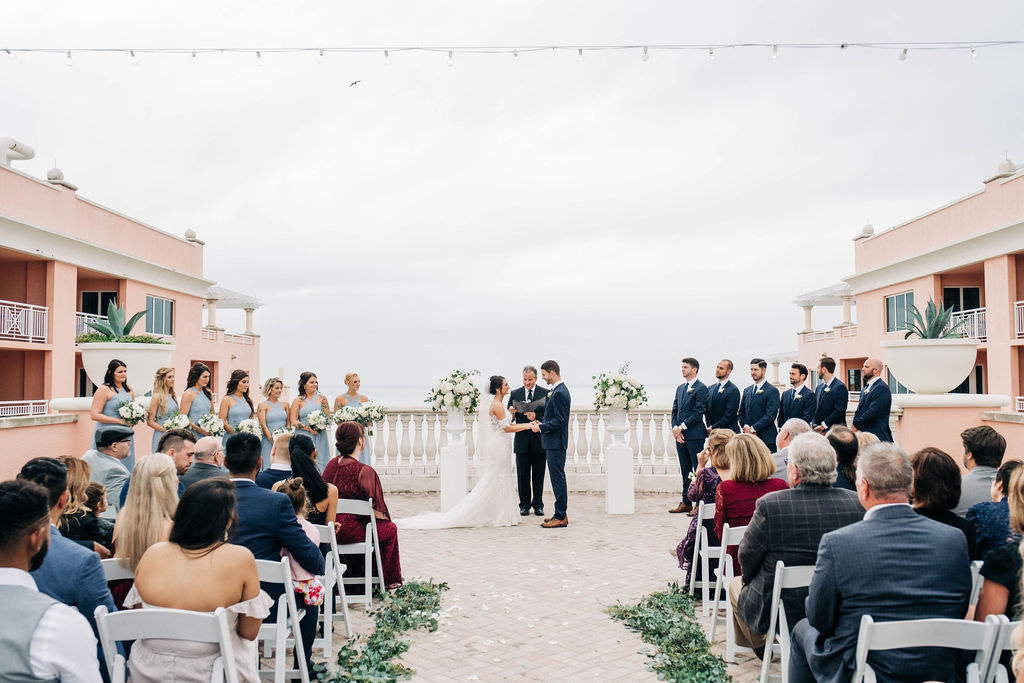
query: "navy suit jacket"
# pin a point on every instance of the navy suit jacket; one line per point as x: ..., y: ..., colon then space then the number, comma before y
x: 723, y: 404
x: 554, y: 430
x: 873, y: 411
x: 759, y: 410
x: 688, y: 409
x: 268, y: 477
x: 926, y: 575
x: 831, y: 408
x: 521, y: 441
x: 791, y: 406
x: 267, y: 523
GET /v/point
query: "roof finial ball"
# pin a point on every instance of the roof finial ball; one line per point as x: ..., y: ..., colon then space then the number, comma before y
x: 55, y: 175
x: 868, y: 230
x: 1006, y: 166
x: 190, y: 234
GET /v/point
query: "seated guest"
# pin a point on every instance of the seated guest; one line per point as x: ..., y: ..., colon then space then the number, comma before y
x: 96, y: 504
x: 983, y: 453
x: 280, y: 462
x: 845, y: 443
x: 180, y: 446
x: 712, y: 466
x: 359, y: 481
x: 1001, y: 572
x: 787, y: 526
x: 77, y: 522
x: 991, y: 519
x: 937, y: 489
x: 267, y: 524
x: 865, y: 439
x: 893, y: 565
x: 42, y: 639
x: 750, y: 476
x: 68, y: 573
x: 198, y: 570
x: 207, y: 462
x: 306, y: 584
x: 113, y: 445
x: 790, y: 429
x: 323, y: 497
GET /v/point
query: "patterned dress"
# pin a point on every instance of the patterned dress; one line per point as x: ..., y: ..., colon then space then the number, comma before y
x: 702, y: 489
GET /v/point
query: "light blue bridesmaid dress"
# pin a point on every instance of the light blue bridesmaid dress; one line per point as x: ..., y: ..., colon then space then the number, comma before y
x: 170, y: 409
x: 321, y: 441
x: 200, y: 406
x: 110, y: 409
x: 238, y: 411
x: 364, y: 455
x: 277, y: 418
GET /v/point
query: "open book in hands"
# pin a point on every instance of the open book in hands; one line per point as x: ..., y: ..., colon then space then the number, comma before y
x: 523, y: 407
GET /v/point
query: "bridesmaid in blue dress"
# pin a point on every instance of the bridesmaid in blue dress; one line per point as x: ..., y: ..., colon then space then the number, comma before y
x: 197, y: 400
x: 108, y: 398
x: 308, y: 400
x: 354, y: 397
x: 272, y: 414
x: 162, y: 404
x: 237, y: 405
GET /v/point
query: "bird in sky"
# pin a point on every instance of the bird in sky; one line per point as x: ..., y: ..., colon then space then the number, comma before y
x: 354, y: 83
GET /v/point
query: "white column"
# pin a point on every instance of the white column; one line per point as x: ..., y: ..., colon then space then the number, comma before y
x: 847, y: 313
x: 619, y: 498
x: 775, y: 372
x: 808, y: 327
x: 248, y: 322
x: 211, y: 314
x: 454, y: 483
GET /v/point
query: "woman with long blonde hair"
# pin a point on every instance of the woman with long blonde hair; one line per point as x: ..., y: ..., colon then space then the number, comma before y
x: 163, y: 404
x: 77, y: 522
x: 353, y: 398
x: 273, y: 414
x: 147, y: 515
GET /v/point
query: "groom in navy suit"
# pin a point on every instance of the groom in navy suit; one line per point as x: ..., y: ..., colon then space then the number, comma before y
x: 832, y: 398
x: 875, y: 402
x: 554, y: 436
x: 799, y: 401
x: 723, y: 399
x: 688, y: 408
x: 760, y: 406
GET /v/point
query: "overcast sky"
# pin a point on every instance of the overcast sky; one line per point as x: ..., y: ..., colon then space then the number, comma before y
x: 494, y: 213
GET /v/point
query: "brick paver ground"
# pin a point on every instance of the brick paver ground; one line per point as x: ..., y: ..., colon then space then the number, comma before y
x: 528, y: 603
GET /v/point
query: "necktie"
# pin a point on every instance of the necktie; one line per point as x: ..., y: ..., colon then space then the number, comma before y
x: 529, y: 395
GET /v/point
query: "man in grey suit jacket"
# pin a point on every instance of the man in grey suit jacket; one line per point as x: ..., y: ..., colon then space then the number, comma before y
x: 113, y: 445
x: 894, y: 565
x: 788, y: 525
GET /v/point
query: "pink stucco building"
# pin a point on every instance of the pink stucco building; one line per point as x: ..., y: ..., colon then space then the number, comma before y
x: 62, y: 258
x: 970, y: 254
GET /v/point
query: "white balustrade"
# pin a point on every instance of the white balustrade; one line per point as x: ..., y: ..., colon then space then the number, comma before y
x: 23, y: 322
x: 238, y: 339
x: 819, y: 336
x: 82, y: 321
x: 973, y: 326
x: 1019, y: 404
x: 848, y: 331
x: 1018, y: 315
x: 22, y: 408
x: 207, y: 334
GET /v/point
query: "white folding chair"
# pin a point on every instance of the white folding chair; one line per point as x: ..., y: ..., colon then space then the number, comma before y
x: 280, y: 635
x: 730, y: 537
x: 991, y: 669
x: 702, y: 552
x: 896, y: 635
x: 369, y: 548
x: 333, y: 568
x: 778, y: 625
x: 115, y: 571
x: 167, y: 624
x: 976, y: 580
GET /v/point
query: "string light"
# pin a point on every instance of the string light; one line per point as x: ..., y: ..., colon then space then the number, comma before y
x: 775, y: 52
x: 387, y: 58
x: 9, y: 53
x: 321, y: 59
x: 135, y: 60
x: 711, y: 53
x: 259, y: 58
x: 515, y: 57
x: 451, y: 58
x: 645, y: 56
x: 579, y: 55
x: 974, y: 53
x: 67, y: 61
x: 193, y: 56
x: 903, y: 55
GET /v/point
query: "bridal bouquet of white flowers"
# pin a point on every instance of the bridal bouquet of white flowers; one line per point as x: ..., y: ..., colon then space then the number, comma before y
x: 455, y: 391
x: 319, y: 420
x: 132, y: 412
x: 364, y: 413
x: 618, y: 390
x: 177, y: 421
x: 250, y: 426
x: 211, y: 424
x: 282, y: 430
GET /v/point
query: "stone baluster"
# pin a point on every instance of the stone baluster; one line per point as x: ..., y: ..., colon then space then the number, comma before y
x: 581, y: 446
x: 471, y: 422
x: 392, y: 448
x: 443, y: 418
x: 634, y: 446
x: 645, y: 441
x: 431, y: 450
x: 406, y: 448
x: 417, y: 443
x: 659, y: 438
x: 570, y: 449
x: 379, y: 441
x: 595, y: 440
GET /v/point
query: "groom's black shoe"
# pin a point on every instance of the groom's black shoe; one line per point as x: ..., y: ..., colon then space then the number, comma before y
x: 538, y: 511
x: 525, y: 512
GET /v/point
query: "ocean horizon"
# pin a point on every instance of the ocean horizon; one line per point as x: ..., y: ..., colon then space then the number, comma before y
x: 413, y: 395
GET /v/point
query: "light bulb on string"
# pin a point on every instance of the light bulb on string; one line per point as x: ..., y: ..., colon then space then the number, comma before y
x: 711, y: 54
x: 9, y: 53
x: 775, y: 52
x: 579, y: 55
x: 903, y: 55
x: 387, y: 58
x: 259, y: 58
x: 67, y: 60
x: 451, y: 58
x: 193, y: 56
x: 644, y: 56
x: 321, y: 58
x: 515, y: 57
x: 974, y: 53
x: 135, y: 60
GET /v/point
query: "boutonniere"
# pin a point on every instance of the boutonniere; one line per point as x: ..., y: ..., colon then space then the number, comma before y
x: 828, y: 389
x: 759, y: 392
x: 721, y: 390
x: 689, y: 390
x: 798, y: 397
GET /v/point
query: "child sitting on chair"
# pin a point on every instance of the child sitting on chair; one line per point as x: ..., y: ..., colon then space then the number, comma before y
x: 305, y: 583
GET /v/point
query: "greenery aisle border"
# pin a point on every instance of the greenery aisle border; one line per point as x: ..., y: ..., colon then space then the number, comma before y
x: 666, y: 620
x: 412, y: 605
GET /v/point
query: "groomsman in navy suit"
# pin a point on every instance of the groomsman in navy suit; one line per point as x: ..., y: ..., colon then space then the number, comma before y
x: 760, y: 406
x: 799, y: 401
x: 688, y: 408
x: 875, y: 403
x: 723, y: 399
x: 832, y: 396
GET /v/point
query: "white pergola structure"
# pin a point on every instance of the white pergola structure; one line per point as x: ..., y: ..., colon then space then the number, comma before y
x: 219, y: 297
x: 836, y: 295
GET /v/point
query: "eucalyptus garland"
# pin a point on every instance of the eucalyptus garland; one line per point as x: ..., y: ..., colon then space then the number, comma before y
x: 412, y: 605
x: 666, y: 620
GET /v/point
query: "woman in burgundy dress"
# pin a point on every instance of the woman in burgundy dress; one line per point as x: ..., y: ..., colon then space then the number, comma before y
x: 713, y: 466
x: 358, y: 481
x: 750, y: 476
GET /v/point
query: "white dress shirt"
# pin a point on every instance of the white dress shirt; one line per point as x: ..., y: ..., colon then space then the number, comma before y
x: 867, y: 387
x: 871, y: 513
x: 63, y: 645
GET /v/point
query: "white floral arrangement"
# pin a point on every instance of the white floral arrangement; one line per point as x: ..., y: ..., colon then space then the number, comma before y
x: 281, y: 431
x: 177, y: 421
x: 365, y: 414
x: 250, y: 426
x: 132, y: 412
x: 211, y: 424
x: 455, y: 391
x: 618, y: 390
x: 319, y: 420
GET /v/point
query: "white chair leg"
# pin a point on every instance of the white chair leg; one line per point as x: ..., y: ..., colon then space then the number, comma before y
x: 705, y: 579
x: 714, y: 603
x: 280, y: 647
x: 343, y: 599
x: 730, y: 629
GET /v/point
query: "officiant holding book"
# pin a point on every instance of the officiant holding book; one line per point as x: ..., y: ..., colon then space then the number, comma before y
x: 526, y: 405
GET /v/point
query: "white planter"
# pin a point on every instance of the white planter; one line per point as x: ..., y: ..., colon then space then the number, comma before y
x: 931, y: 366
x: 619, y: 492
x: 142, y: 361
x: 453, y: 462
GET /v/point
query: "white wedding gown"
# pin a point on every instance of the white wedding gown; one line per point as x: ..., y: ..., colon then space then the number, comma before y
x: 493, y: 501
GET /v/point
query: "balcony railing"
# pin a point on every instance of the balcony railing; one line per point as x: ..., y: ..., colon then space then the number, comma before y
x: 973, y: 323
x: 848, y: 331
x: 209, y: 335
x: 1019, y: 404
x: 238, y: 339
x: 82, y: 321
x: 23, y: 322
x: 819, y: 336
x: 22, y: 408
x: 1018, y: 314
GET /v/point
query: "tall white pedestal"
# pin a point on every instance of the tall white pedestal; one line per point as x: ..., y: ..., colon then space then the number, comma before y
x: 454, y: 480
x: 618, y: 466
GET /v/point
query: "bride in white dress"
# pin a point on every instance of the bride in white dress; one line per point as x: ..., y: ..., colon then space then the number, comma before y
x: 493, y: 501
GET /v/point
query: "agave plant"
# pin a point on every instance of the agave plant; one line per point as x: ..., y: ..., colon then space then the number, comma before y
x: 115, y: 326
x: 934, y: 324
